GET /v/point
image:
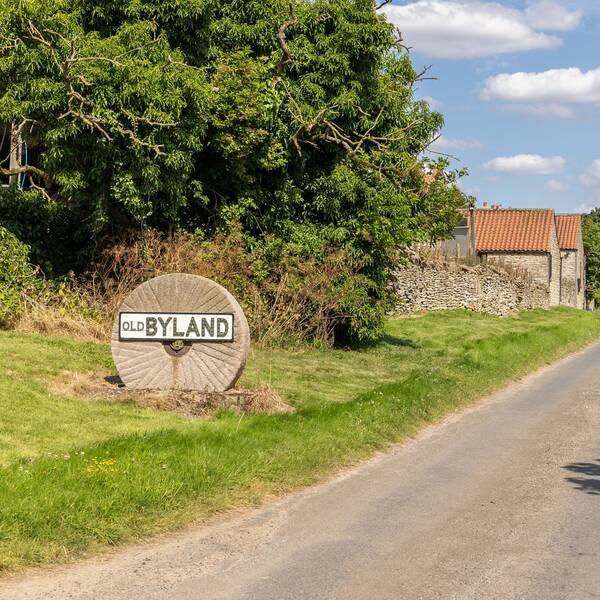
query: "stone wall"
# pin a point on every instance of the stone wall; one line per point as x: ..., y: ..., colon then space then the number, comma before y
x: 554, y: 269
x: 436, y: 284
x: 543, y: 267
x: 568, y: 273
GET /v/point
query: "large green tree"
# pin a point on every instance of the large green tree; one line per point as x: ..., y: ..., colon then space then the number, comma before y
x: 295, y: 120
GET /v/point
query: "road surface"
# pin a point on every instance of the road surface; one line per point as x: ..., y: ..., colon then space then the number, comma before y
x: 501, y: 501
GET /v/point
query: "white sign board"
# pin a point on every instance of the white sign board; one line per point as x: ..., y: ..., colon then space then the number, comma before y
x: 168, y: 327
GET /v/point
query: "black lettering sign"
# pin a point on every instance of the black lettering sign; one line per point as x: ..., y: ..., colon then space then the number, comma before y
x: 164, y: 324
x: 222, y: 327
x: 208, y: 326
x: 176, y: 333
x: 151, y: 328
x: 167, y: 327
x: 192, y: 328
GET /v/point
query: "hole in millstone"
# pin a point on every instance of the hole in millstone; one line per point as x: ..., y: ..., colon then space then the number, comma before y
x: 177, y: 347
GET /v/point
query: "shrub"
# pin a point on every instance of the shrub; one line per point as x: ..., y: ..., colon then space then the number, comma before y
x: 287, y: 295
x: 56, y: 232
x: 17, y: 276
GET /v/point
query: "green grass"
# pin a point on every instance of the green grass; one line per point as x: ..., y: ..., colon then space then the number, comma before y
x: 77, y: 475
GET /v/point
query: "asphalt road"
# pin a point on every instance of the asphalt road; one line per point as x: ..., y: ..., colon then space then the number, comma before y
x: 501, y: 501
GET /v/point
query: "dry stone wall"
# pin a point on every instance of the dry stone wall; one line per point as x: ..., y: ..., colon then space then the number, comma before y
x: 571, y: 290
x: 543, y: 267
x: 568, y: 272
x: 428, y: 284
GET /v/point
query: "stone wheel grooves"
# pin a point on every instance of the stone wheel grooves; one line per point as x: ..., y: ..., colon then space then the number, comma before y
x: 207, y: 366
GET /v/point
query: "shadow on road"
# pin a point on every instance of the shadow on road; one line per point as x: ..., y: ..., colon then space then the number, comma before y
x: 589, y: 486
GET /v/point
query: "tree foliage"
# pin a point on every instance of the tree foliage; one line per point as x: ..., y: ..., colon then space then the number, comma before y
x: 17, y: 276
x: 296, y: 121
x: 591, y: 244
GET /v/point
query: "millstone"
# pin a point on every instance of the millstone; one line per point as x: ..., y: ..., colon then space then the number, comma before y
x: 210, y: 366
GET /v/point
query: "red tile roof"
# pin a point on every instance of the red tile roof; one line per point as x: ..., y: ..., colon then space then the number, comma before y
x: 513, y: 230
x: 568, y: 228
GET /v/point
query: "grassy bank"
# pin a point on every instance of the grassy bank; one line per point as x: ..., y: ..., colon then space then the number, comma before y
x: 77, y: 475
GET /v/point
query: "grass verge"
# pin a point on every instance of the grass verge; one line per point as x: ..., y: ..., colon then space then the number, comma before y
x: 78, y: 475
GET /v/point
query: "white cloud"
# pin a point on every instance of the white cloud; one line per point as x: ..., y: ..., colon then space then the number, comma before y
x: 550, y: 15
x: 444, y: 144
x: 570, y: 85
x: 591, y: 176
x: 584, y: 207
x: 542, y: 111
x: 551, y: 94
x: 469, y: 190
x: 467, y: 28
x: 434, y: 104
x: 555, y: 186
x: 527, y: 164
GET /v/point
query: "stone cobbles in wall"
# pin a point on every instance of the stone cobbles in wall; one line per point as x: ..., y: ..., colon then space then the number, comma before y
x: 429, y: 284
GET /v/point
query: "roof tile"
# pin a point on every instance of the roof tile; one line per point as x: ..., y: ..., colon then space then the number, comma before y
x: 516, y: 230
x: 568, y: 228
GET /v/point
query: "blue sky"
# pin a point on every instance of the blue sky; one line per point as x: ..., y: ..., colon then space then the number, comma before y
x: 518, y: 82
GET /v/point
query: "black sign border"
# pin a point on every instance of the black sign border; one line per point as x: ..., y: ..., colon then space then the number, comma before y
x: 170, y: 340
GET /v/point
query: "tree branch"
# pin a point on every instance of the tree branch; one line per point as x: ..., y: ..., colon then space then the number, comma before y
x: 24, y: 169
x: 286, y: 59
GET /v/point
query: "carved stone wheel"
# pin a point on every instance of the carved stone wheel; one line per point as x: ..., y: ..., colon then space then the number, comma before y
x: 202, y: 366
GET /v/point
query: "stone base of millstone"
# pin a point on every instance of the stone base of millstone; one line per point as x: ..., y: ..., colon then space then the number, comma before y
x: 192, y: 403
x: 99, y: 386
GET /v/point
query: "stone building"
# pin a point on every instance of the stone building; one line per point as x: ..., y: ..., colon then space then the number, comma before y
x: 533, y: 244
x: 525, y: 240
x: 572, y: 260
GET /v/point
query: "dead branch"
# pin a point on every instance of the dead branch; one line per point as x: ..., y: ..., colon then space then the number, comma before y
x: 80, y: 59
x: 39, y: 188
x: 442, y: 154
x: 286, y: 59
x: 426, y: 148
x: 420, y: 76
x: 399, y: 41
x: 77, y: 103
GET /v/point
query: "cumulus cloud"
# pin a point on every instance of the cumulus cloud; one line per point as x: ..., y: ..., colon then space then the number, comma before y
x: 585, y: 207
x: 570, y: 85
x: 444, y: 144
x: 434, y: 104
x: 551, y: 94
x: 591, y: 176
x: 469, y: 190
x: 527, y: 164
x: 474, y: 28
x: 550, y: 15
x: 555, y: 186
x: 542, y: 111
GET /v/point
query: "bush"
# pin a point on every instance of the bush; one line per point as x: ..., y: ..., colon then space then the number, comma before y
x: 56, y: 232
x: 17, y: 276
x: 287, y: 295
